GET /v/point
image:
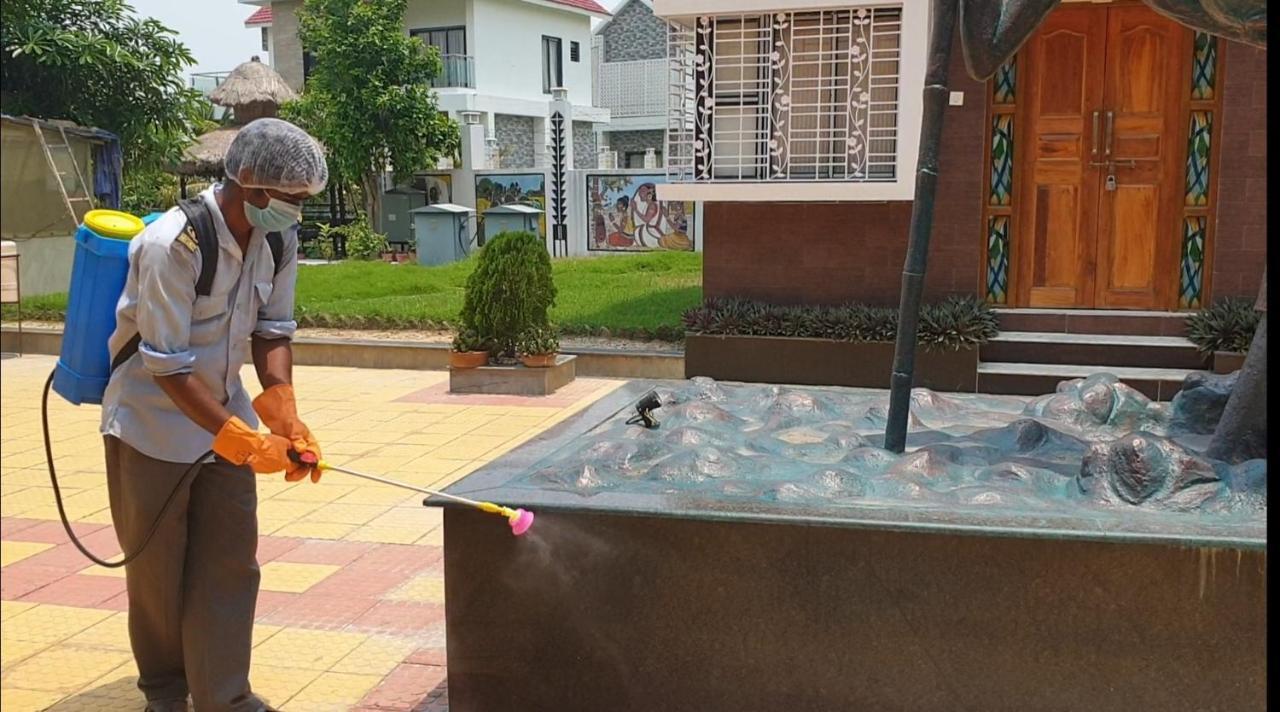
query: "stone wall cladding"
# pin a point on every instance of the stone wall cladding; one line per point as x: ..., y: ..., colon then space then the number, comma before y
x: 515, y: 140
x: 286, y: 55
x: 634, y: 33
x: 830, y: 253
x: 1239, y: 243
x: 627, y: 141
x: 584, y: 145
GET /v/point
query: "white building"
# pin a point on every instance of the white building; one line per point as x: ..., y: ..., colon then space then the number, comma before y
x: 501, y: 58
x: 632, y: 80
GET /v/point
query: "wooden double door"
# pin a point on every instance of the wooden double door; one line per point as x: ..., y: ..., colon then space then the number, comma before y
x: 1102, y: 159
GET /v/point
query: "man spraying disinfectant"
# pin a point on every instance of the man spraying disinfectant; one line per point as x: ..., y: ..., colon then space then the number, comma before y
x: 205, y: 278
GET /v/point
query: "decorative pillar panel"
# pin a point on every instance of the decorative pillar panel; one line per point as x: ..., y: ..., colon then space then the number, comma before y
x: 1197, y: 203
x: 998, y: 211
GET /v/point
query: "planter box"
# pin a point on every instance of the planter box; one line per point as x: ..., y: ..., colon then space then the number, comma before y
x: 820, y: 362
x: 1227, y: 361
x: 513, y: 380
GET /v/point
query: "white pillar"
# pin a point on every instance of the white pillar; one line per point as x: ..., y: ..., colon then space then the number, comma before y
x: 560, y: 104
x: 473, y: 145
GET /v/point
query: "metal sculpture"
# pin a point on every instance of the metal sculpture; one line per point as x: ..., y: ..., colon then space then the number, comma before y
x: 991, y: 31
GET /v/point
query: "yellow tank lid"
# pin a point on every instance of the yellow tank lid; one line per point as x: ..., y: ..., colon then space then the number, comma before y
x: 113, y: 223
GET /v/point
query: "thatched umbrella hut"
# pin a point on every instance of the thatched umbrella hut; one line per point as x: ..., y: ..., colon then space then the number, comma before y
x: 251, y: 91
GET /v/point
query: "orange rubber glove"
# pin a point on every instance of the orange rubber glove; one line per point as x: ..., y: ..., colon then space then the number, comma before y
x: 239, y: 444
x: 279, y: 412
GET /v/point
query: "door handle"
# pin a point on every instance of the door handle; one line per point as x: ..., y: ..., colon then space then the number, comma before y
x: 1111, y: 127
x: 1093, y: 151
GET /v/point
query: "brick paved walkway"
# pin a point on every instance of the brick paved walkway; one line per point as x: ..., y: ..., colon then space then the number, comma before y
x: 351, y: 613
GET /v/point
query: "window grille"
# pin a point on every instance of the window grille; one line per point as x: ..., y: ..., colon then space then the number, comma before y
x: 800, y: 96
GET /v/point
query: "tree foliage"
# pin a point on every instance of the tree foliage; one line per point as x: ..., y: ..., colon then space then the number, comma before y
x: 96, y: 63
x: 368, y: 98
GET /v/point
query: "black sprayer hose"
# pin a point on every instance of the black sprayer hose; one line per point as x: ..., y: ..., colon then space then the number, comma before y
x: 57, y: 493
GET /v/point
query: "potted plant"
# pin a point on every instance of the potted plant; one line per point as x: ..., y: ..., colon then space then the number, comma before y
x: 469, y: 351
x: 510, y: 291
x: 537, y: 348
x: 1224, y: 329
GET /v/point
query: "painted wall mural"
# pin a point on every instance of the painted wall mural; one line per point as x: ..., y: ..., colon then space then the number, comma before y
x: 624, y: 215
x: 507, y: 189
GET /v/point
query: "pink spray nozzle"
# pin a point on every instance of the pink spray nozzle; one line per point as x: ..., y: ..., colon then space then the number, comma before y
x: 521, y: 522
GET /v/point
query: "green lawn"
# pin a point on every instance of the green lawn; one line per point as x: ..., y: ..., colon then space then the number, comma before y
x: 640, y: 295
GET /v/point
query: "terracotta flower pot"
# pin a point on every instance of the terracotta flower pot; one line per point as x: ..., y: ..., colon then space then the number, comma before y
x: 468, y: 359
x: 538, y: 360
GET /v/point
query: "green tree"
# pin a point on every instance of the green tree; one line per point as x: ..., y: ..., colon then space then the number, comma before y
x: 96, y: 63
x: 368, y: 98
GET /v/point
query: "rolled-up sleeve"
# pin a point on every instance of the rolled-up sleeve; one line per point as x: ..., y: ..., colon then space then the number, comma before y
x: 275, y: 317
x: 167, y: 276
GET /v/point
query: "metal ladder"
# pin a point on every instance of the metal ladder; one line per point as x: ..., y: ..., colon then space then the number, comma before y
x: 81, y: 194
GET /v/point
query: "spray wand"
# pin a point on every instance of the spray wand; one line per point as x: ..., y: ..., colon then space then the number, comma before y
x: 519, y: 519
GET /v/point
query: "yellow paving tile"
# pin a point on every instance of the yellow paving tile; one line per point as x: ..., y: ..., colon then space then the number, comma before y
x: 419, y: 518
x: 468, y: 448
x: 381, y: 495
x: 308, y: 649
x: 64, y: 668
x: 378, y: 655
x: 15, y: 651
x: 111, y: 634
x: 115, y: 692
x: 276, y: 684
x: 426, y: 588
x: 96, y: 570
x: 14, y: 505
x: 314, y: 492
x: 294, y: 578
x: 347, y: 513
x: 14, y: 551
x: 332, y: 691
x: 9, y: 609
x: 435, y: 537
x: 100, y: 517
x: 315, y: 530
x: 14, y: 700
x: 432, y: 465
x: 51, y: 624
x: 384, y: 535
x: 427, y: 439
x: 282, y: 509
x: 262, y: 631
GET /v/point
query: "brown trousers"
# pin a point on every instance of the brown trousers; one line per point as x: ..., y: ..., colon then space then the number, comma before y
x: 192, y: 592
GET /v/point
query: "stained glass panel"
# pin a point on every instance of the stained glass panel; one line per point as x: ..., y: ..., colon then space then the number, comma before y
x: 1192, y: 263
x: 997, y: 258
x: 1203, y: 64
x: 1197, y: 192
x: 1001, y: 159
x: 1002, y: 88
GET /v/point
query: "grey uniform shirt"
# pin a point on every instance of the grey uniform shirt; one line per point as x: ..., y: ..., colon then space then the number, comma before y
x: 183, y: 333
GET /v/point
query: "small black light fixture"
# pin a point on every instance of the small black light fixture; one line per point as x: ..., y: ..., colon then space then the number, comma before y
x: 644, y: 411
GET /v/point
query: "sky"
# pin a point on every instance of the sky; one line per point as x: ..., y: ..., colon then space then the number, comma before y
x: 214, y: 30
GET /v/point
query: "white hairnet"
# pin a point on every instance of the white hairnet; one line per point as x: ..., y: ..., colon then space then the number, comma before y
x: 275, y: 154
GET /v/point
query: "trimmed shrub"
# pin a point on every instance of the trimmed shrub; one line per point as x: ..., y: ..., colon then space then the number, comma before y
x: 510, y: 290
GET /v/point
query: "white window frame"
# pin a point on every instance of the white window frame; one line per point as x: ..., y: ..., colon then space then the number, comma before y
x: 914, y: 40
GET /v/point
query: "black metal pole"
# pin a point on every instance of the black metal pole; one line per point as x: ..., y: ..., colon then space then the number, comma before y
x: 913, y: 268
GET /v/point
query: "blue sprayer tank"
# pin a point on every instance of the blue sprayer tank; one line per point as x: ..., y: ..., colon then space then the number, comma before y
x: 98, y: 274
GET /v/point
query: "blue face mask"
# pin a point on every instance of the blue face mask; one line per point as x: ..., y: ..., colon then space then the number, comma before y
x: 276, y: 217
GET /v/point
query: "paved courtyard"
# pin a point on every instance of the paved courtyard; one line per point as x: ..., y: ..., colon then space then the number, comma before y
x: 351, y: 613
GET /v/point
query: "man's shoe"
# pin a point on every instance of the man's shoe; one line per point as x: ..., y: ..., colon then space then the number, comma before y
x: 167, y: 706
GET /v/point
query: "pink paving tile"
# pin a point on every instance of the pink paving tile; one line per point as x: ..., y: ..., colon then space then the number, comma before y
x: 79, y: 591
x: 270, y: 601
x: 406, y: 558
x: 329, y: 613
x: 357, y: 583
x: 69, y: 559
x: 428, y: 656
x: 336, y: 553
x: 562, y: 398
x: 271, y: 548
x: 23, y: 577
x: 118, y: 603
x: 47, y: 532
x: 10, y: 526
x: 406, y: 688
x: 401, y: 617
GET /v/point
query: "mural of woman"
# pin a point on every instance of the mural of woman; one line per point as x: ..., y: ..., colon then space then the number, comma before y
x: 647, y: 215
x: 678, y: 238
x: 616, y: 225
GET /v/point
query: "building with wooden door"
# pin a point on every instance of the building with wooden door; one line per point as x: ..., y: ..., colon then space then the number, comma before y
x: 1109, y: 178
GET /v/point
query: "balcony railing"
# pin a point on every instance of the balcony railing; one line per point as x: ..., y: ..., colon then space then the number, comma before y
x: 459, y: 72
x: 633, y: 89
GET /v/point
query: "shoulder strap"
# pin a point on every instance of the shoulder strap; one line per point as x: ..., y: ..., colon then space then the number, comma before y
x: 275, y: 241
x: 201, y: 223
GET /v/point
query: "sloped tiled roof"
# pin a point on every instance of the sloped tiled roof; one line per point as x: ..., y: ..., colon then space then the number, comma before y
x: 261, y: 17
x: 588, y: 5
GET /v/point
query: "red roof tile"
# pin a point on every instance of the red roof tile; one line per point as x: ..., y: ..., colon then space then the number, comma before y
x: 588, y: 5
x: 261, y: 17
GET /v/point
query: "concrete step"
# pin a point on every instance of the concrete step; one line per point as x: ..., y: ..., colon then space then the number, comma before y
x: 1094, y: 321
x: 1103, y: 350
x: 1031, y: 379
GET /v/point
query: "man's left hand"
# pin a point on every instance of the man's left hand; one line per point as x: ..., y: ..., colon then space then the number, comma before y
x: 279, y: 412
